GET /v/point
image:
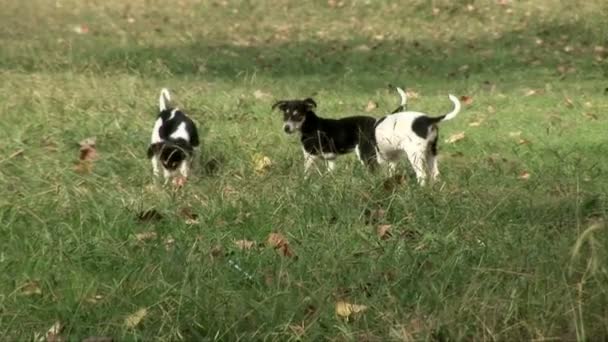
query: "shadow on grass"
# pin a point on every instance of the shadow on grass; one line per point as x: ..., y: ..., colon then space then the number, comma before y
x: 513, y: 55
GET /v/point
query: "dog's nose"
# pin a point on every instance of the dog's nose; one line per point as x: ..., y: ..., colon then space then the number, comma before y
x: 286, y: 129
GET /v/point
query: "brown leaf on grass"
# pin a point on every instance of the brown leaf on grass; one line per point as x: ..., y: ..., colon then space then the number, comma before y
x: 135, y: 318
x: 531, y: 92
x: 467, y: 100
x: 261, y: 163
x: 280, y: 243
x: 88, y: 151
x: 146, y: 236
x: 149, y: 216
x: 30, y: 288
x: 569, y: 102
x: 346, y: 310
x: 374, y: 216
x: 54, y: 333
x: 88, y: 154
x: 259, y: 94
x: 524, y: 175
x: 523, y: 142
x: 244, y: 245
x: 384, y: 231
x: 188, y: 215
x: 476, y: 123
x: 455, y: 138
x: 371, y: 105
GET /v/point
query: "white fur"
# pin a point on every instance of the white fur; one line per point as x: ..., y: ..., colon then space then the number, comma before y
x: 180, y: 132
x: 395, y: 138
x: 163, y: 99
x: 403, y: 97
x: 156, y: 131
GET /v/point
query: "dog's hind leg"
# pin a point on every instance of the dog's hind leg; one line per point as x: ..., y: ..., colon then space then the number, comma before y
x: 431, y: 160
x: 418, y: 161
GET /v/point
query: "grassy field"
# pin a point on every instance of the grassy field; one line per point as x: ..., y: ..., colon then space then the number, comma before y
x: 510, y: 245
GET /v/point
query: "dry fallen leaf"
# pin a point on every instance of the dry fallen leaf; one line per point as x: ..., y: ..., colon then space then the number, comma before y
x: 135, y: 318
x: 383, y: 231
x: 146, y: 236
x: 189, y: 216
x: 30, y: 288
x: 476, y: 123
x: 53, y: 334
x: 261, y: 163
x: 455, y: 138
x: 371, y: 105
x: 523, y: 141
x: 94, y: 299
x: 531, y: 92
x: 467, y: 100
x: 280, y: 243
x: 344, y: 309
x: 244, y: 244
x: 525, y: 175
x: 258, y: 94
x: 569, y: 102
x: 515, y: 134
x: 88, y: 154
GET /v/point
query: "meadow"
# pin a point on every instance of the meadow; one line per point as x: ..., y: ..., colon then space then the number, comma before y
x: 510, y: 245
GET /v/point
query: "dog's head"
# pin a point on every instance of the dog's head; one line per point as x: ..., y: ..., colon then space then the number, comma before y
x: 295, y: 112
x: 172, y: 154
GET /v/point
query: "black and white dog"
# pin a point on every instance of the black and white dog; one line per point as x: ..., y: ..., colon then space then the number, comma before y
x: 174, y: 138
x: 413, y: 134
x: 326, y: 139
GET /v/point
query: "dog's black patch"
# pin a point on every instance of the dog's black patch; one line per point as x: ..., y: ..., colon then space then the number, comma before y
x: 379, y: 121
x: 171, y: 125
x: 421, y: 125
x: 398, y: 109
x: 433, y: 145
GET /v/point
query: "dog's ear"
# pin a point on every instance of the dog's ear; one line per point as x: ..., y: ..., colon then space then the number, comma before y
x: 310, y: 103
x: 279, y: 104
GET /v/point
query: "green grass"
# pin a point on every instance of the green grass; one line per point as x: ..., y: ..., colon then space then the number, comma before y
x: 483, y: 255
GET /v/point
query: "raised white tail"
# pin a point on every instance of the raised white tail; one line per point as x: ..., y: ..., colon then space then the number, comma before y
x: 455, y: 111
x: 164, y: 99
x: 403, y: 97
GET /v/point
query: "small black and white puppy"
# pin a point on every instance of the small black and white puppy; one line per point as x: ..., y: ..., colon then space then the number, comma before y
x: 414, y: 135
x: 326, y: 139
x: 174, y: 138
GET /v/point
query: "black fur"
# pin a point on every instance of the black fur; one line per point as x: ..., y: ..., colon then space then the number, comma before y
x: 172, y: 151
x: 335, y: 136
x: 422, y: 125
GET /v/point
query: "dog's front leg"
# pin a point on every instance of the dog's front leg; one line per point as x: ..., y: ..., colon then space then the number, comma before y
x: 184, y: 168
x: 309, y: 161
x: 155, y: 163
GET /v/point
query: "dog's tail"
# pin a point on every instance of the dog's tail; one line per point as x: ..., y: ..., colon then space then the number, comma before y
x: 454, y: 112
x: 164, y: 99
x: 403, y: 105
